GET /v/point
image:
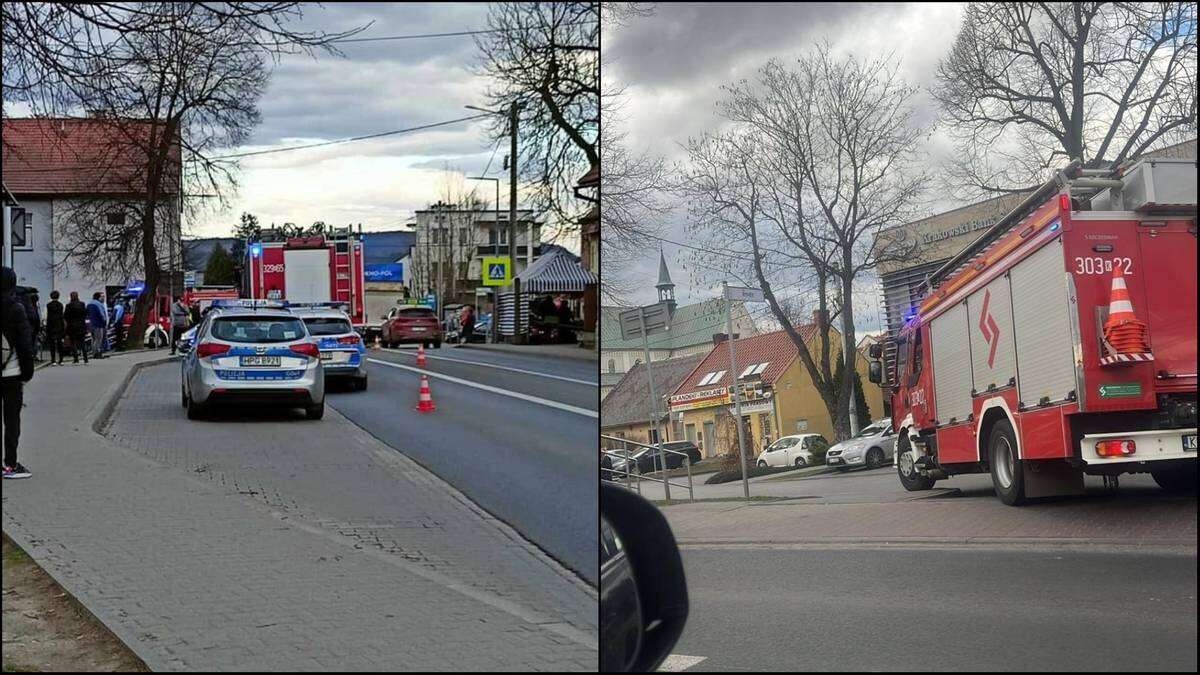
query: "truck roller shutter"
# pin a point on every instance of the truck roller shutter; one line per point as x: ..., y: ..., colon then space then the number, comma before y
x: 1041, y: 318
x: 950, y: 345
x: 993, y: 359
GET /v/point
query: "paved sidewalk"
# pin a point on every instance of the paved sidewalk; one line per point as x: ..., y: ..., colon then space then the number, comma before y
x: 199, y: 572
x: 552, y: 351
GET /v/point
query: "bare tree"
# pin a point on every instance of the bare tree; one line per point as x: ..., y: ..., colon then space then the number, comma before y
x: 545, y: 57
x: 1029, y: 86
x: 819, y: 158
x: 175, y: 82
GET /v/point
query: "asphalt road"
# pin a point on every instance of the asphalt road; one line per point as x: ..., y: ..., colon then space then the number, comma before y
x: 922, y: 610
x: 515, y: 433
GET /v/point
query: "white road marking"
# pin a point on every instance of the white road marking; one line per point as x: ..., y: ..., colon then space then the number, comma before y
x: 409, y: 352
x: 495, y: 390
x: 675, y: 663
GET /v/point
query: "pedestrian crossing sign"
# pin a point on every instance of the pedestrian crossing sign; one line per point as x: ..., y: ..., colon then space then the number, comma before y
x: 496, y: 272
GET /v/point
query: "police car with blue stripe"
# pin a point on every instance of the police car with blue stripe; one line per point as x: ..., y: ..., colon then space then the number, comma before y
x: 253, y: 351
x: 342, y: 350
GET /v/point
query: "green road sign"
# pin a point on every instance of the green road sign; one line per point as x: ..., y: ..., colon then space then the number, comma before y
x: 496, y: 272
x: 1120, y: 389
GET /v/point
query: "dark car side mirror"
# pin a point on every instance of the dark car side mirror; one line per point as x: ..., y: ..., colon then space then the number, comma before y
x: 875, y: 372
x: 637, y: 632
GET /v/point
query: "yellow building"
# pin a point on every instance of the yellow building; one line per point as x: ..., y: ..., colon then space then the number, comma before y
x: 778, y: 397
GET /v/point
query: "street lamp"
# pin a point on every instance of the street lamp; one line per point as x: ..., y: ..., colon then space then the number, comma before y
x: 496, y: 227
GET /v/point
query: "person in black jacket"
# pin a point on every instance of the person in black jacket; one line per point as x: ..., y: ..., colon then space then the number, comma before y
x: 75, y: 315
x: 56, y: 328
x: 16, y: 368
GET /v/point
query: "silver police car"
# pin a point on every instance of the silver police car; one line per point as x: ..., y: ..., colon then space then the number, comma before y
x: 253, y: 351
x: 342, y: 350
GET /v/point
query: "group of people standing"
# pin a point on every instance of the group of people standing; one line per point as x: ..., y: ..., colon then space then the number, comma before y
x: 69, y: 327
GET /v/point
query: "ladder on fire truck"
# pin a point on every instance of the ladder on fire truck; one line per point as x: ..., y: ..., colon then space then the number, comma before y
x: 1079, y: 183
x: 343, y: 266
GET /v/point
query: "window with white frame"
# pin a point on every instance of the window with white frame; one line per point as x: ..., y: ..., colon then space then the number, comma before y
x: 22, y: 230
x: 754, y: 369
x: 711, y: 378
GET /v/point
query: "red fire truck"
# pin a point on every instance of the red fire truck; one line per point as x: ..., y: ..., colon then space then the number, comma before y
x: 1062, y: 342
x: 322, y: 268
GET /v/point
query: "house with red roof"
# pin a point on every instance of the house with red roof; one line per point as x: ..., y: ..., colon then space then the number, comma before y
x: 70, y: 176
x: 778, y: 396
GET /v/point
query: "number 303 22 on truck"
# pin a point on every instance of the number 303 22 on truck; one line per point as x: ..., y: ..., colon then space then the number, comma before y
x: 1062, y: 342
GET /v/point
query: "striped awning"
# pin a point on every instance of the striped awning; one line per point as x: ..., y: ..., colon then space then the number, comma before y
x: 556, y: 272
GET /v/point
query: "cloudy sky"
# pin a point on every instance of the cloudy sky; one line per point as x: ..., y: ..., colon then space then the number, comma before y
x: 375, y: 87
x: 673, y: 62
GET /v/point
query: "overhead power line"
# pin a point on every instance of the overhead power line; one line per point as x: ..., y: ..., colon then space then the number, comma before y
x: 460, y: 33
x: 381, y: 134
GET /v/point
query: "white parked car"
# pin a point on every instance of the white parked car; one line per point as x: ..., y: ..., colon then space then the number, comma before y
x: 872, y: 448
x: 794, y: 451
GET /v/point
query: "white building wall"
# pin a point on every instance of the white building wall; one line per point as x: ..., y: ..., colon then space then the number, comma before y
x: 33, y: 265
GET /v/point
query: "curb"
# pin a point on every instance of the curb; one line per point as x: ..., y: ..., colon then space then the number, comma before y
x: 1171, y: 545
x: 116, y: 392
x: 585, y: 355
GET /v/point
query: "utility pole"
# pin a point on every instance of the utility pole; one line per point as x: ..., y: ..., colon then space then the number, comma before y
x: 733, y: 372
x: 512, y: 218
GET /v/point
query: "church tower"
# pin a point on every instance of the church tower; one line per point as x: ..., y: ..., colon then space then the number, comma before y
x: 666, y: 289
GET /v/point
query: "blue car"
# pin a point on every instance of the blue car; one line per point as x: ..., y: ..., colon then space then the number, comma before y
x: 343, y: 353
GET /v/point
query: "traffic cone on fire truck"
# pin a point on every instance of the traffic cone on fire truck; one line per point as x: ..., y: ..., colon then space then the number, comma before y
x: 1125, y: 337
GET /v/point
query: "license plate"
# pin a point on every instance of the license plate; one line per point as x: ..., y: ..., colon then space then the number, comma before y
x: 326, y: 356
x: 260, y: 361
x: 835, y: 460
x: 1189, y: 442
x: 418, y: 329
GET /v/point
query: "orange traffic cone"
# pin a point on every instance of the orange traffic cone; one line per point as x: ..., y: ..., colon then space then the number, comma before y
x: 421, y: 355
x: 425, y: 405
x: 1123, y: 333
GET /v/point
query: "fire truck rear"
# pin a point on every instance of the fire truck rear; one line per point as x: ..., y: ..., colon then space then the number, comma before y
x: 316, y: 269
x: 1061, y: 343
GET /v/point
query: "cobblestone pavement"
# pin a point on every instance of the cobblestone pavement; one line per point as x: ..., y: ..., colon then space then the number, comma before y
x: 282, y: 544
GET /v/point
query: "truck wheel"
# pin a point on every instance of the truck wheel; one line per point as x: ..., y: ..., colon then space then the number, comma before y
x: 1008, y: 477
x: 315, y: 412
x: 1181, y: 480
x: 906, y: 469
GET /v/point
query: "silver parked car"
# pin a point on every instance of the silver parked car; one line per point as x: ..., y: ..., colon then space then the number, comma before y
x: 253, y: 354
x: 872, y: 448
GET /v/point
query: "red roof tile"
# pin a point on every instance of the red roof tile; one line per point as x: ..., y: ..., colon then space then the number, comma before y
x: 76, y: 156
x: 775, y: 349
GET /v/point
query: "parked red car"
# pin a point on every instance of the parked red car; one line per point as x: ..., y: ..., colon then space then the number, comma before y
x: 411, y: 325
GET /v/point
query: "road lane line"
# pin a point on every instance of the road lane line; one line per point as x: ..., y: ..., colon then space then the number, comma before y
x: 675, y: 663
x: 406, y: 352
x: 495, y: 390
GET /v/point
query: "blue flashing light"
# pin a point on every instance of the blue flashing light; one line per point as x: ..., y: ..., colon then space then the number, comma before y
x: 910, y: 314
x: 1055, y: 226
x: 255, y: 250
x: 135, y: 287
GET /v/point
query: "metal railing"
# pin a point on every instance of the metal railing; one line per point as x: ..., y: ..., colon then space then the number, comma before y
x: 628, y: 468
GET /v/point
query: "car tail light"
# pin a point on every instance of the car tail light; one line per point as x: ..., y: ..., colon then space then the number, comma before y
x: 206, y: 349
x: 1120, y: 447
x: 307, y: 349
x: 349, y: 340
